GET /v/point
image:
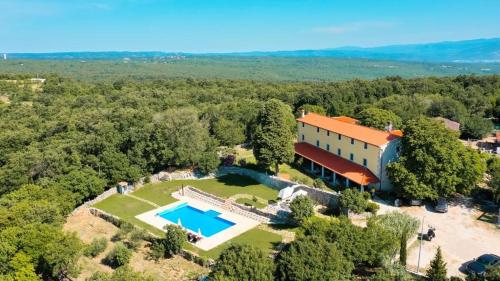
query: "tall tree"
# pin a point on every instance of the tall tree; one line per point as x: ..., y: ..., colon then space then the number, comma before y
x: 402, y: 248
x: 437, y: 269
x: 432, y: 162
x: 274, y: 135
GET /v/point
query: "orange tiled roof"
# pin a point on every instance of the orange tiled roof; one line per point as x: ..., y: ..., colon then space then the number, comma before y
x: 346, y: 119
x: 352, y: 171
x: 361, y: 133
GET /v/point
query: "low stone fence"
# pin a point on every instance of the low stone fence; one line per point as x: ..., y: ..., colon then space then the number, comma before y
x: 234, y: 207
x: 99, y: 198
x: 272, y: 181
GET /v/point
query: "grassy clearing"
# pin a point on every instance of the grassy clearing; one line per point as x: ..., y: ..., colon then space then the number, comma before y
x: 224, y: 187
x: 264, y: 240
x: 159, y: 193
x: 126, y: 208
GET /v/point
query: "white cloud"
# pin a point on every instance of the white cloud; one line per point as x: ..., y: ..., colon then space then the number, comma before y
x: 353, y: 27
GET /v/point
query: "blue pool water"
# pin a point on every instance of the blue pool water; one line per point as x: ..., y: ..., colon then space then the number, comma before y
x: 193, y: 219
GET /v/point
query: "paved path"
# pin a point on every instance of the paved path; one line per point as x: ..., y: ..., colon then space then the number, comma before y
x: 143, y: 200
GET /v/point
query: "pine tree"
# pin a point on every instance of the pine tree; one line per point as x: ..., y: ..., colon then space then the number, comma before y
x: 402, y: 249
x: 437, y: 271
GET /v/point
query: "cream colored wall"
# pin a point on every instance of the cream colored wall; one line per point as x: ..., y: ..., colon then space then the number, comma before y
x: 372, y: 153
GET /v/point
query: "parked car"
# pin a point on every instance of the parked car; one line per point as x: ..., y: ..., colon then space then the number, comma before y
x: 441, y: 205
x: 481, y: 264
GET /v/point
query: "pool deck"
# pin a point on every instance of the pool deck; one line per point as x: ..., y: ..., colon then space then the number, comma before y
x: 242, y: 224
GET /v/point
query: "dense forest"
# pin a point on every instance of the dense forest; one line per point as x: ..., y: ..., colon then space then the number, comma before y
x: 65, y: 141
x: 227, y: 67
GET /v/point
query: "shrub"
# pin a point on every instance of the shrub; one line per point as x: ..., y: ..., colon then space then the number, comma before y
x: 157, y: 250
x: 135, y: 238
x: 97, y: 246
x: 302, y: 208
x: 174, y: 239
x: 353, y: 200
x: 372, y: 208
x: 319, y: 183
x: 242, y: 162
x: 119, y: 256
x: 396, y: 223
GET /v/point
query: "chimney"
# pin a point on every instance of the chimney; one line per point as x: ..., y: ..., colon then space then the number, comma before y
x: 302, y: 113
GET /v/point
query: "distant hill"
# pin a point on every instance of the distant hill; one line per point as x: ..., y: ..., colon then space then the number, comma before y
x: 480, y: 50
x: 469, y: 51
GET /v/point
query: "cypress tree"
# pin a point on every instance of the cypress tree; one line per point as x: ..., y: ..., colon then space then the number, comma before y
x: 437, y: 271
x: 402, y: 249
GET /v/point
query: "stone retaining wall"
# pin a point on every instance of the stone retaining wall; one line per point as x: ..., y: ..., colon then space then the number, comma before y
x: 323, y: 197
x: 245, y: 211
x: 99, y: 198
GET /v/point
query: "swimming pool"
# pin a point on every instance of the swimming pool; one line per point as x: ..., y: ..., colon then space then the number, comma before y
x: 196, y: 220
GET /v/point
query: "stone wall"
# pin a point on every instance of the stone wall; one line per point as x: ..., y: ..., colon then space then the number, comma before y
x: 99, y: 198
x: 323, y: 197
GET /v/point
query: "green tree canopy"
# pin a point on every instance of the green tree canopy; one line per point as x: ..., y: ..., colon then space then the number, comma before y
x: 242, y: 262
x: 302, y: 208
x: 353, y: 200
x: 274, y: 135
x: 379, y: 118
x: 175, y: 237
x: 476, y: 127
x: 432, y: 162
x: 313, y: 258
x: 437, y: 269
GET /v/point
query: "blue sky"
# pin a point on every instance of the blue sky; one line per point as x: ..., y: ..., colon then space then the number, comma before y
x: 233, y: 25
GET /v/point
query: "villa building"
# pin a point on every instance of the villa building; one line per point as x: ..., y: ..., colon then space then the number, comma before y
x: 346, y: 153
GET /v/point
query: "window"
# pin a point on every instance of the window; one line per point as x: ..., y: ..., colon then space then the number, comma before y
x: 366, y: 145
x: 365, y: 162
x: 317, y: 129
x: 317, y: 143
x: 351, y: 156
x: 340, y: 136
x: 302, y: 124
x: 328, y: 133
x: 339, y: 152
x: 328, y: 147
x: 303, y: 137
x: 352, y: 141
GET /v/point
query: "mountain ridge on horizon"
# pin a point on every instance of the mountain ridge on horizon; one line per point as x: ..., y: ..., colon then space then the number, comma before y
x: 475, y: 50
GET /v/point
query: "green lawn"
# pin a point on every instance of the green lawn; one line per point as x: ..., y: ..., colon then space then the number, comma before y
x: 224, y: 187
x: 127, y: 208
x: 159, y: 193
x: 250, y: 202
x: 259, y: 238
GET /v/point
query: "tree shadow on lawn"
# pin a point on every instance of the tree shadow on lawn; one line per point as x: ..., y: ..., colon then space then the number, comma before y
x: 237, y: 180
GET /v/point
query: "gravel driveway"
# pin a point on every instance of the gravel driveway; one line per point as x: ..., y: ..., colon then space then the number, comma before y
x: 460, y: 234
